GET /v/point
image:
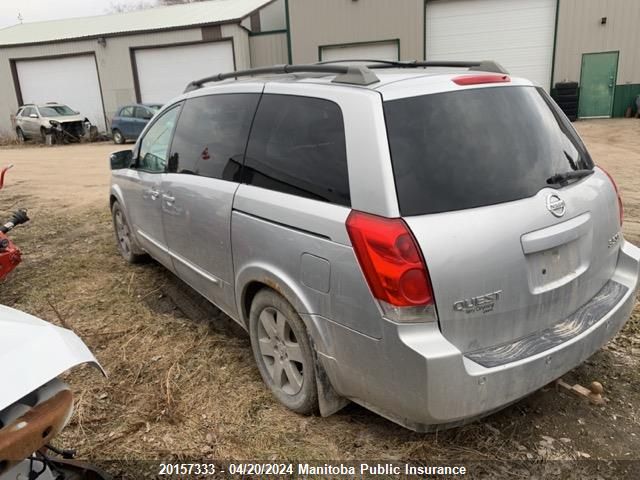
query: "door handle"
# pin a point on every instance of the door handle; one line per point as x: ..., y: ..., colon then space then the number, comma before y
x: 153, y: 193
x: 169, y: 200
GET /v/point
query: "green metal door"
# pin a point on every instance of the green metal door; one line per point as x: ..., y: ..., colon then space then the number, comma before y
x: 597, y: 84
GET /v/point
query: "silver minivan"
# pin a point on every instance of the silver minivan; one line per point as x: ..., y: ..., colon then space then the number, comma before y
x: 430, y: 243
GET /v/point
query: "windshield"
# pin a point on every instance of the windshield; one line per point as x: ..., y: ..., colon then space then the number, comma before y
x: 56, y: 111
x: 477, y: 147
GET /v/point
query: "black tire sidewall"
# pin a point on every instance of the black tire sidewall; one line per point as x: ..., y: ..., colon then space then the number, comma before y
x: 117, y: 132
x: 20, y: 135
x: 306, y: 400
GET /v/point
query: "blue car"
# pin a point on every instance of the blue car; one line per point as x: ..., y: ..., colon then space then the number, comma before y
x: 131, y: 120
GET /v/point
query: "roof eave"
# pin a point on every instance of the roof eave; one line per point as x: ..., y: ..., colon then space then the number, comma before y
x: 124, y: 34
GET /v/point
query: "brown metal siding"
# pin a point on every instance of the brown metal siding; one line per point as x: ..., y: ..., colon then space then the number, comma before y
x: 330, y: 22
x: 580, y: 31
x: 268, y: 49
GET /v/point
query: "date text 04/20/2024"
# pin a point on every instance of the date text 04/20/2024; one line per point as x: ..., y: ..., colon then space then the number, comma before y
x: 206, y: 468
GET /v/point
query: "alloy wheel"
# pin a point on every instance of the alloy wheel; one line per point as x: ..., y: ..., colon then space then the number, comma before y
x: 281, y: 352
x: 123, y: 233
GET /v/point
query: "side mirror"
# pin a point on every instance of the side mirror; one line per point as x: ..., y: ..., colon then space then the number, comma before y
x: 121, y: 159
x: 33, y: 115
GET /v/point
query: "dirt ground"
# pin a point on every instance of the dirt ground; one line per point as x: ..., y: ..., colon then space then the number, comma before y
x: 182, y: 381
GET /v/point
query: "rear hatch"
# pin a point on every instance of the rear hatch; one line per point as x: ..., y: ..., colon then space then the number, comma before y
x: 513, y: 245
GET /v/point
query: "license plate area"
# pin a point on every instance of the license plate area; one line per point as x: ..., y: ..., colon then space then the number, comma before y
x: 554, y: 267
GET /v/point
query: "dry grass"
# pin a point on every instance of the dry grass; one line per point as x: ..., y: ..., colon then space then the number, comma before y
x: 7, y: 139
x: 181, y: 388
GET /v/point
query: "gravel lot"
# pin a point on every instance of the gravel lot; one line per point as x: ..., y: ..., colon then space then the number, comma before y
x: 182, y: 386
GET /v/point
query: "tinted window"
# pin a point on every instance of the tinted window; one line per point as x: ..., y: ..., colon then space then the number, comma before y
x: 211, y: 136
x: 477, y: 147
x: 143, y: 113
x: 126, y: 112
x: 297, y: 146
x: 28, y: 111
x: 154, y: 147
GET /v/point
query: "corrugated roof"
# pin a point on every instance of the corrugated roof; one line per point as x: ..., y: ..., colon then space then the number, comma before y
x: 174, y: 16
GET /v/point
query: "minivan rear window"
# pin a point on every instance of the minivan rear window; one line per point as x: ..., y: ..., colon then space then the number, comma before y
x: 297, y: 146
x: 472, y: 148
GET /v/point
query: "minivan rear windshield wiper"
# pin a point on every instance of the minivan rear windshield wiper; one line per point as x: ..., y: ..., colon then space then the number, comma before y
x: 563, y: 178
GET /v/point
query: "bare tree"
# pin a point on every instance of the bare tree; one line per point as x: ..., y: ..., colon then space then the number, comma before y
x: 177, y: 2
x: 122, y: 7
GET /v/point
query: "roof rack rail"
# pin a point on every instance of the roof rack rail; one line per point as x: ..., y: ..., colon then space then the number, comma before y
x: 351, y: 74
x: 483, y: 65
x: 359, y: 60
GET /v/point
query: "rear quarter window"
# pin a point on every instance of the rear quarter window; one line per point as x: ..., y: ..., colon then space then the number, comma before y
x: 297, y: 146
x: 477, y: 147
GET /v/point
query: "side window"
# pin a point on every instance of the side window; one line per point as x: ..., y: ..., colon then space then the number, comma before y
x: 211, y: 136
x: 28, y: 111
x: 142, y: 113
x: 126, y: 112
x: 155, y: 144
x: 297, y: 146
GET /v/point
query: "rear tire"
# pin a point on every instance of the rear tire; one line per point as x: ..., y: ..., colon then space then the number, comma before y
x: 126, y: 242
x: 118, y: 138
x: 282, y: 350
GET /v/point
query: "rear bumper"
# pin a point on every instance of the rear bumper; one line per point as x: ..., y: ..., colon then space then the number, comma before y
x: 417, y: 378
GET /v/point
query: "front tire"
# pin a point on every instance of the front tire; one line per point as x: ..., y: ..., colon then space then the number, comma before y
x: 118, y: 138
x: 282, y: 350
x: 20, y: 135
x: 127, y: 245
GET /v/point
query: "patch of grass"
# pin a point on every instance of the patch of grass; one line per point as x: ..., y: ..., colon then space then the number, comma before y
x: 179, y: 388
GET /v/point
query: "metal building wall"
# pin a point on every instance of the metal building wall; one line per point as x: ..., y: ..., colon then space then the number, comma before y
x: 332, y: 22
x: 268, y: 49
x: 115, y: 68
x: 580, y: 31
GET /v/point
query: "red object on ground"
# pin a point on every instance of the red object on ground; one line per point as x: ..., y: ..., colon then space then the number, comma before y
x: 4, y: 170
x: 10, y: 256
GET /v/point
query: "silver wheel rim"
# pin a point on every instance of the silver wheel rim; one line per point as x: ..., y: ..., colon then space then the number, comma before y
x: 118, y: 137
x: 123, y: 234
x: 281, y: 352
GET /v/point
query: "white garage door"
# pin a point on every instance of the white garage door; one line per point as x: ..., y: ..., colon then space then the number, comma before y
x: 70, y: 80
x: 366, y: 51
x: 517, y: 34
x: 163, y: 73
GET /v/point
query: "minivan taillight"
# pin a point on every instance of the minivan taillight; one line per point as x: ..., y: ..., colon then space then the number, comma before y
x: 615, y: 186
x: 393, y: 266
